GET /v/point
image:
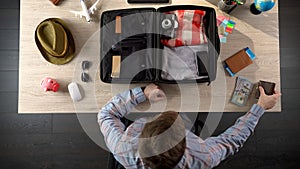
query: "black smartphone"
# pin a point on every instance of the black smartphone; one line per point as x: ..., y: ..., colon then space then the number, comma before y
x: 148, y: 1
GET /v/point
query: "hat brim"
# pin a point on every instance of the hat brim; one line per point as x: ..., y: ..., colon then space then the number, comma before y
x: 71, y: 48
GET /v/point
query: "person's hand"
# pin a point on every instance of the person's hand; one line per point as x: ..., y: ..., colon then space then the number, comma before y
x: 267, y: 101
x: 153, y: 93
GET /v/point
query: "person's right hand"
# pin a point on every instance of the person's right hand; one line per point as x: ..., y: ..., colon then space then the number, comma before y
x: 267, y: 101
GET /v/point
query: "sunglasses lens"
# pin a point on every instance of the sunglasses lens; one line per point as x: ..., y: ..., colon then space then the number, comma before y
x: 85, y: 65
x: 85, y: 77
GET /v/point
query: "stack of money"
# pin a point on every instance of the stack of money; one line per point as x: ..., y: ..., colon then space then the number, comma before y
x: 243, y: 89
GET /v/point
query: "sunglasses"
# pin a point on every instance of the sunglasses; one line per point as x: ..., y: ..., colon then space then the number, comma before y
x: 85, y: 66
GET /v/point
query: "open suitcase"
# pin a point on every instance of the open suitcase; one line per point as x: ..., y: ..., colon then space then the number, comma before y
x: 171, y: 44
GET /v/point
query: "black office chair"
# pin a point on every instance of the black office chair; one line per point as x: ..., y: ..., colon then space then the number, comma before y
x: 196, y: 129
x: 113, y: 163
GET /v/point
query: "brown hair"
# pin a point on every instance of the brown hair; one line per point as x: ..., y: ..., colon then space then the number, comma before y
x: 162, y: 142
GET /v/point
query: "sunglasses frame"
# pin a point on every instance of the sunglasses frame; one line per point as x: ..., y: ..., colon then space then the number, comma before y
x: 85, y: 65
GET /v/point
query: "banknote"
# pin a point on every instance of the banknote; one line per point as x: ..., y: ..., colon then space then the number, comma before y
x: 243, y: 89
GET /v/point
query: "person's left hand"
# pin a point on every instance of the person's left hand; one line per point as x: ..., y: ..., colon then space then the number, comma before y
x: 153, y: 93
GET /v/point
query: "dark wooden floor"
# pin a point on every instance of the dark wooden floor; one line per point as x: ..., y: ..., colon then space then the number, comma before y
x: 56, y: 141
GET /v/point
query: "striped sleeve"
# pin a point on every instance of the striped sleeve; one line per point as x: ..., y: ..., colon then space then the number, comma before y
x: 233, y: 138
x: 109, y: 117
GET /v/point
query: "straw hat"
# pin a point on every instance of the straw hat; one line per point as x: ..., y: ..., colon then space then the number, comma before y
x: 55, y: 41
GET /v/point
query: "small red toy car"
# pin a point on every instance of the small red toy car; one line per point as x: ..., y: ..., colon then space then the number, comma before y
x: 49, y: 84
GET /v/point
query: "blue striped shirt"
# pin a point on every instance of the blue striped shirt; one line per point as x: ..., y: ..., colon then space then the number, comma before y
x: 199, y: 153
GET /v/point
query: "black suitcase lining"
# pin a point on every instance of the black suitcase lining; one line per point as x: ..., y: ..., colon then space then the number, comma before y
x: 149, y: 75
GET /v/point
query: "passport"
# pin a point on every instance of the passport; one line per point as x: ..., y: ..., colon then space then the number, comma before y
x: 238, y: 61
x: 55, y: 2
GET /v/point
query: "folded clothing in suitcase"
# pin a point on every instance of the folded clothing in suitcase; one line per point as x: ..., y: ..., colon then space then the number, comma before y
x: 171, y: 44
